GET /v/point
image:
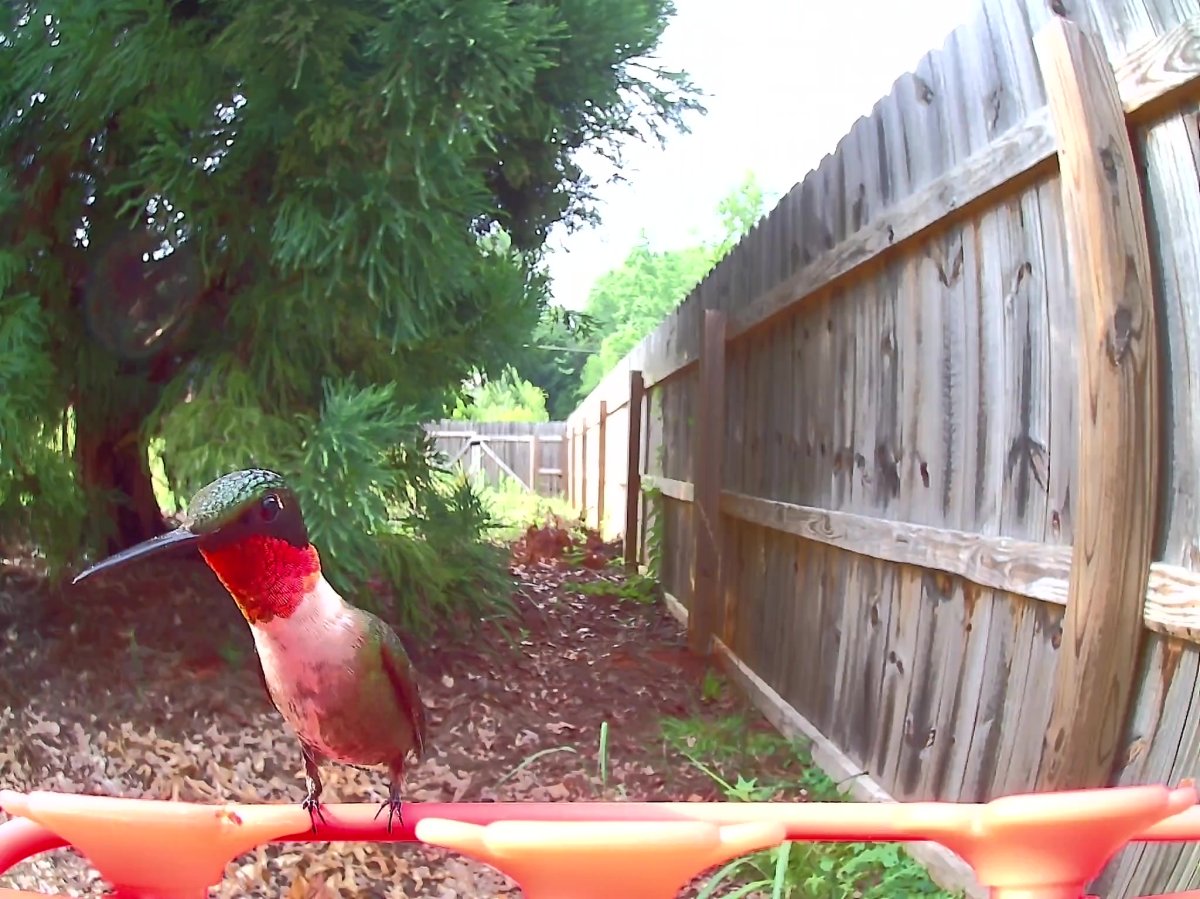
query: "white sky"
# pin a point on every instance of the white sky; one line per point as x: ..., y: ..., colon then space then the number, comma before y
x: 785, y: 80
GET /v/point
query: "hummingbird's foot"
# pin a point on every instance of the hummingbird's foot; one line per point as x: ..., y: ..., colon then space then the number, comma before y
x: 312, y: 786
x: 394, y: 806
x: 312, y: 804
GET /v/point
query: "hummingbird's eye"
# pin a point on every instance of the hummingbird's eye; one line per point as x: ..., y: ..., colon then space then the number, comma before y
x: 271, y: 507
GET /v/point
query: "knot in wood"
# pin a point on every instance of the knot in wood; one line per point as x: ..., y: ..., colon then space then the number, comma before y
x: 1109, y: 161
x: 924, y: 90
x: 1120, y: 335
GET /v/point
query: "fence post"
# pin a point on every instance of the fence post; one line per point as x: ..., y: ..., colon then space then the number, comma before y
x: 601, y: 464
x: 477, y: 457
x: 533, y: 463
x: 708, y: 440
x: 633, y: 478
x: 1117, y: 469
x: 565, y: 449
x: 583, y: 471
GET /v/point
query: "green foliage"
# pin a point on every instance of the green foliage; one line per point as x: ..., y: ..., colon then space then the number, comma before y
x: 38, y: 493
x: 506, y: 398
x: 602, y: 757
x: 653, y: 539
x: 630, y: 587
x: 463, y: 572
x: 831, y: 870
x: 387, y: 522
x: 554, y: 356
x: 281, y: 234
x: 630, y: 301
x: 739, y: 211
x: 712, y: 686
x: 513, y: 508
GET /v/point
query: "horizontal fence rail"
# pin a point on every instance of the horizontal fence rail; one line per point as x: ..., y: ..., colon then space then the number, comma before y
x: 1021, y: 567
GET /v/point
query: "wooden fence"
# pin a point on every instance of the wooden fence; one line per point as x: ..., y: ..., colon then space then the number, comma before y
x: 528, y: 453
x: 922, y: 452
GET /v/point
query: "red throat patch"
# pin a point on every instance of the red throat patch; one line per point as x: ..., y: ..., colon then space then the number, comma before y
x: 267, y: 577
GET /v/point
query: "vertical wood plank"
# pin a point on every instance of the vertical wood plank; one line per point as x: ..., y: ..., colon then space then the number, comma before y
x: 583, y: 470
x: 633, y: 477
x: 566, y: 455
x: 649, y: 442
x: 601, y: 463
x: 534, y: 466
x: 1118, y: 437
x: 709, y: 434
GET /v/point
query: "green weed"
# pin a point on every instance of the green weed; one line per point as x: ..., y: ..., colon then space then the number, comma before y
x: 514, y: 508
x: 652, y: 540
x: 603, y: 756
x: 783, y: 770
x: 637, y: 588
x: 712, y: 686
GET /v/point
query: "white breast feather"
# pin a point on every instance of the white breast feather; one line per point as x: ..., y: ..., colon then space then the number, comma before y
x: 300, y: 653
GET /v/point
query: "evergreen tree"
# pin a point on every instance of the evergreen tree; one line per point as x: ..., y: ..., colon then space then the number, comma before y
x: 282, y: 233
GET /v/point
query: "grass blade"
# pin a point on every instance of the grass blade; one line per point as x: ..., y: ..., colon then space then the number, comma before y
x: 604, y: 755
x: 781, y: 869
x: 529, y: 761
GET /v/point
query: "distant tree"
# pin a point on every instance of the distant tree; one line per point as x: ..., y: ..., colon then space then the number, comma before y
x: 508, y: 397
x: 554, y: 356
x: 281, y: 234
x: 739, y: 211
x: 630, y: 301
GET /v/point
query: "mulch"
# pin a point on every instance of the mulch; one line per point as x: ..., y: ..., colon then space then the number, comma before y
x: 142, y: 685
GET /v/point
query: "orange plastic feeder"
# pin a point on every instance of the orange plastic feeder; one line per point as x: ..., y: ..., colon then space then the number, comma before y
x: 1033, y: 846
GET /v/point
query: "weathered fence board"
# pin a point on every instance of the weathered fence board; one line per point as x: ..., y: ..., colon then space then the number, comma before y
x: 1117, y: 459
x: 908, y: 440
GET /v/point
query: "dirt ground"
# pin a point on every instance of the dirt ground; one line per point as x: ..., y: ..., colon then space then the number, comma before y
x: 144, y: 687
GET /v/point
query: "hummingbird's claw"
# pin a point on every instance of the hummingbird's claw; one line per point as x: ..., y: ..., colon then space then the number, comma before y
x: 394, y: 806
x: 312, y: 805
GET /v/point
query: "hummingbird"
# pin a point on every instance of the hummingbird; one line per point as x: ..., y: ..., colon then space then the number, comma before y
x: 337, y: 674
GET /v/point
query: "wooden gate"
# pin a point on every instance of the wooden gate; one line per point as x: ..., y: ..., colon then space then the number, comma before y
x: 529, y: 453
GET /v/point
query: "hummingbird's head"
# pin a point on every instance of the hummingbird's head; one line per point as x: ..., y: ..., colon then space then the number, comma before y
x: 253, y: 502
x: 249, y: 528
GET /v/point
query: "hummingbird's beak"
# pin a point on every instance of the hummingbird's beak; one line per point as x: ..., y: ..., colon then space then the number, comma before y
x: 177, y: 539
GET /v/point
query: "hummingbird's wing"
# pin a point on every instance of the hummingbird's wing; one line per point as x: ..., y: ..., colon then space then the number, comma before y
x: 403, y: 679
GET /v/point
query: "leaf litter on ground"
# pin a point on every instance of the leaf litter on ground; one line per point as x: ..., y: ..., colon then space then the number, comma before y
x: 144, y: 687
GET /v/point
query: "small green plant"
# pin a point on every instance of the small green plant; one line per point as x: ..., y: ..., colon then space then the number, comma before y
x: 655, y: 526
x: 602, y: 756
x: 729, y: 743
x: 574, y: 555
x: 513, y: 508
x: 712, y: 686
x: 722, y: 750
x: 637, y: 588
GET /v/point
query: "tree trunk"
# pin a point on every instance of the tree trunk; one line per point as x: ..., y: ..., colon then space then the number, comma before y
x: 115, y: 471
